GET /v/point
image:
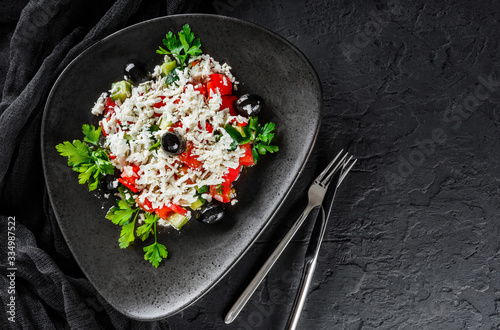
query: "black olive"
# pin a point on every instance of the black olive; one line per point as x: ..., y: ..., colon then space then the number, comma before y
x: 249, y: 104
x: 106, y: 184
x: 173, y: 143
x: 212, y: 213
x: 136, y: 72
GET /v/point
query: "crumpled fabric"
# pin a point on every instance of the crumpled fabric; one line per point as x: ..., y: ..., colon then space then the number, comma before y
x: 38, y: 39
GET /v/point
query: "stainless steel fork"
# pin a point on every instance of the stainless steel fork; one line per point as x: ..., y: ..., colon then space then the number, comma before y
x: 316, y: 195
x: 312, y: 252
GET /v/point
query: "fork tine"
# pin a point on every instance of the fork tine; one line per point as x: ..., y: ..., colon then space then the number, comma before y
x: 346, y: 171
x: 340, y: 163
x: 323, y: 173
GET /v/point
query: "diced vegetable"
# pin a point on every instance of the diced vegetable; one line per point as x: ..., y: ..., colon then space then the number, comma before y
x: 146, y: 206
x: 228, y: 103
x: 220, y: 82
x: 167, y: 67
x: 163, y: 212
x: 130, y: 185
x: 200, y: 88
x: 197, y: 204
x: 178, y: 209
x: 109, y: 107
x: 177, y: 220
x: 233, y: 174
x: 189, y: 159
x: 247, y: 158
x: 222, y: 192
x: 121, y: 90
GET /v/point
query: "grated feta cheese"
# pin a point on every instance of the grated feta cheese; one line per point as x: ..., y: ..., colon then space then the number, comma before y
x: 129, y: 134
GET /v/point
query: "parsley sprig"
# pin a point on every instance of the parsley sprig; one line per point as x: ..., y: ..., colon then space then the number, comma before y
x: 155, y: 252
x: 259, y: 136
x: 183, y: 47
x: 87, y: 158
x: 125, y: 214
x: 262, y: 141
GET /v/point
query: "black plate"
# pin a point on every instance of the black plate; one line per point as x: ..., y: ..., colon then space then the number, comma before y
x: 200, y: 255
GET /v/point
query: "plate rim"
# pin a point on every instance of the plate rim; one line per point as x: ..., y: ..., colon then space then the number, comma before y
x: 273, y: 214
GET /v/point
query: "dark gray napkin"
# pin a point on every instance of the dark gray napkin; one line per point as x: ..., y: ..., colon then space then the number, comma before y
x: 38, y: 39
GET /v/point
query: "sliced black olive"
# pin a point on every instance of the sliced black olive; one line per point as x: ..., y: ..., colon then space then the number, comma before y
x: 249, y: 105
x: 136, y: 72
x: 212, y: 213
x: 106, y: 184
x: 173, y: 143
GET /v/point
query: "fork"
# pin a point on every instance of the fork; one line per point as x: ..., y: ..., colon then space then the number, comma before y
x: 316, y: 195
x: 312, y: 252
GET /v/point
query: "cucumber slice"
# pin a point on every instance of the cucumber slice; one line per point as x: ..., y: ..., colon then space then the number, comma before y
x: 164, y: 124
x: 121, y: 90
x: 177, y: 220
x: 197, y: 204
x: 167, y: 67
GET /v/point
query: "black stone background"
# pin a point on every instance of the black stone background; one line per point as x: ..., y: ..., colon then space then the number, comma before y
x: 413, y: 240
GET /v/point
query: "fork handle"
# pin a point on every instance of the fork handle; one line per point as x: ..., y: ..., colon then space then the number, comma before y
x: 300, y: 299
x: 307, y: 275
x: 250, y: 289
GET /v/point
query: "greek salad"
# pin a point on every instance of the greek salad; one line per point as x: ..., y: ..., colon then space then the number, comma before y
x: 170, y: 143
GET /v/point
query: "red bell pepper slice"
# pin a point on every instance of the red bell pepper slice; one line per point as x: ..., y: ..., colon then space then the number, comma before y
x: 163, y: 212
x: 208, y: 127
x: 189, y: 159
x: 178, y: 209
x: 160, y: 104
x: 102, y: 129
x: 221, y: 192
x: 129, y: 180
x: 247, y: 158
x: 233, y: 174
x: 109, y: 106
x: 228, y: 103
x: 221, y: 82
x: 242, y: 124
x: 200, y: 88
x: 128, y: 184
x: 146, y: 206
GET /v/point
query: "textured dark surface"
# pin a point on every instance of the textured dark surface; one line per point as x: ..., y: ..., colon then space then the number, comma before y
x: 413, y: 243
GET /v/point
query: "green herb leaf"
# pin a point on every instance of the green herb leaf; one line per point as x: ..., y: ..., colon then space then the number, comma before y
x: 236, y: 135
x: 124, y: 192
x: 202, y: 189
x: 154, y: 128
x: 121, y: 213
x: 171, y: 77
x: 92, y: 162
x: 183, y: 47
x: 127, y: 235
x: 77, y: 152
x: 253, y: 123
x: 263, y: 135
x: 155, y: 253
x: 147, y: 227
x: 91, y: 134
x: 155, y: 146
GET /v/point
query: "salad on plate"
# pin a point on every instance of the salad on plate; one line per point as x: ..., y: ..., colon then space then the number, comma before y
x: 170, y: 143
